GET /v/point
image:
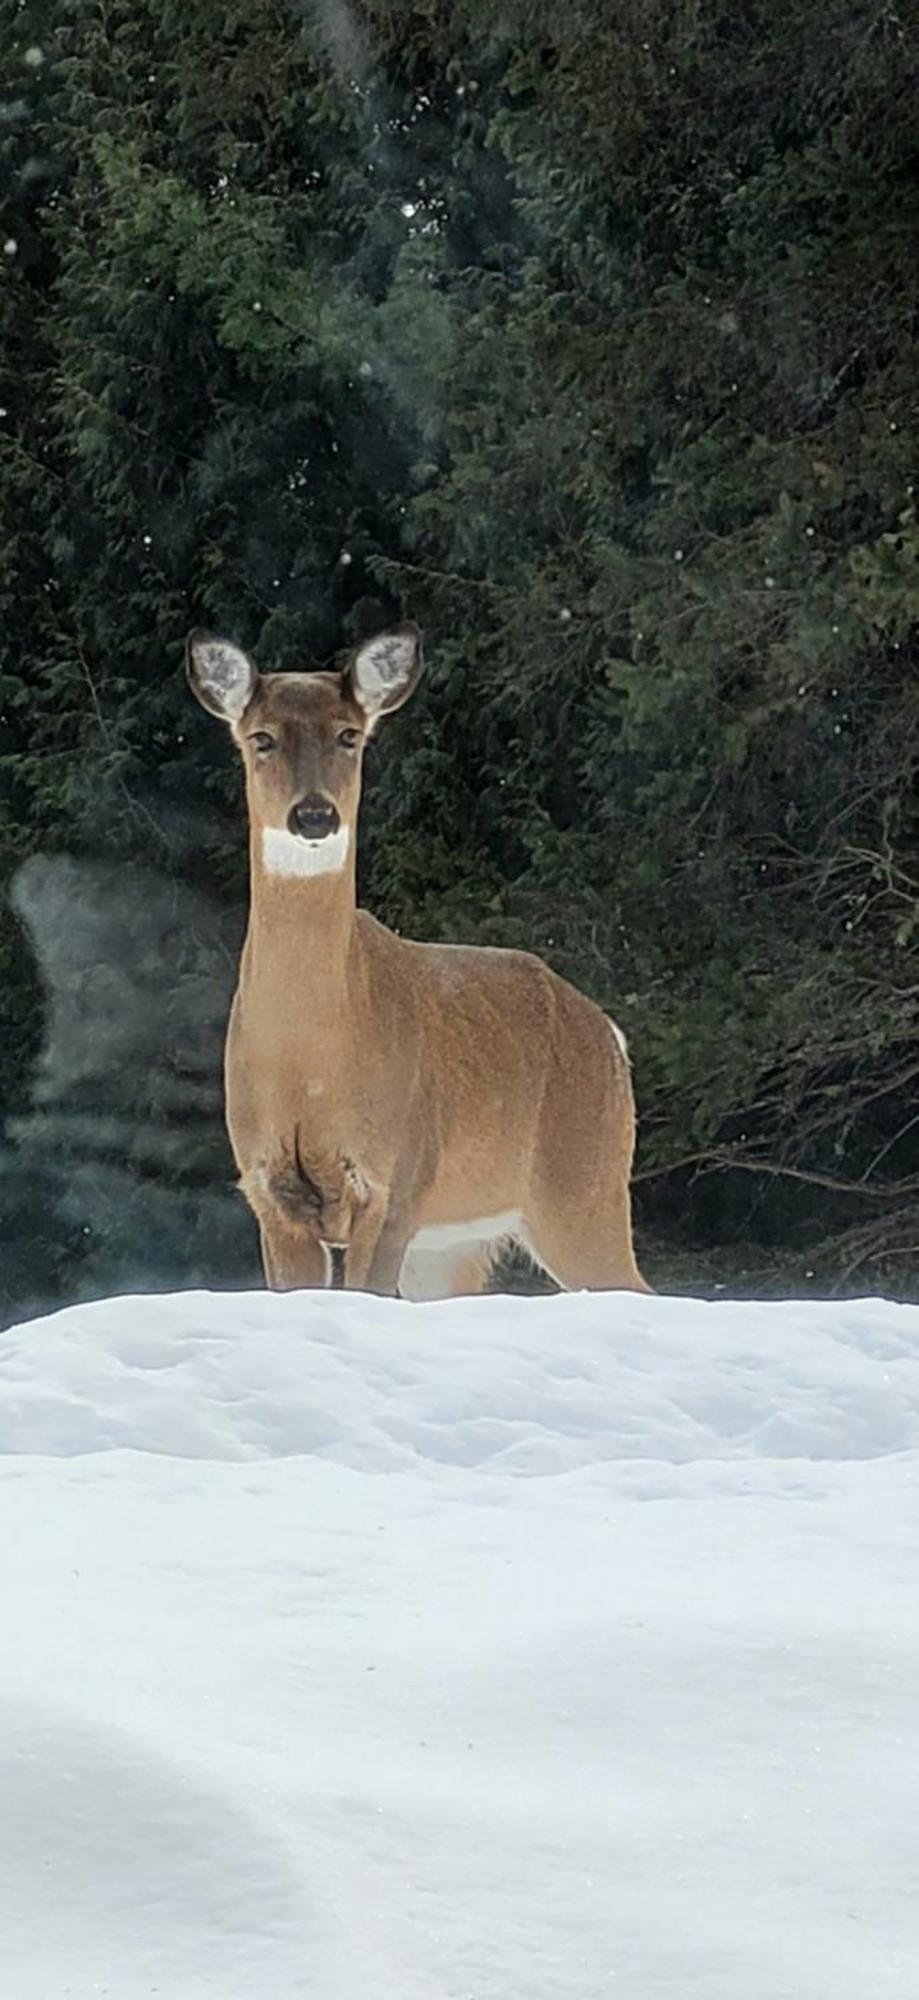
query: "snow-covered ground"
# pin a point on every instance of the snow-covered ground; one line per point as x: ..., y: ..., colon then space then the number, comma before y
x: 498, y: 1650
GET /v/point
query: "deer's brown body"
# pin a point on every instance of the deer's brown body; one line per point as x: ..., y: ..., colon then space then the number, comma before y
x: 397, y: 1110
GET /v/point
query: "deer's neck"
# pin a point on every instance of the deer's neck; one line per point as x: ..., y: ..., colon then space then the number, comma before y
x: 301, y: 935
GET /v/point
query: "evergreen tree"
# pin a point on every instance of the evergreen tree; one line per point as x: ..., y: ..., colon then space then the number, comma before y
x: 585, y: 335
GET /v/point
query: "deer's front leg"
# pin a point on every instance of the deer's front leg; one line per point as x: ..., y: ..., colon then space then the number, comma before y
x: 376, y: 1250
x: 292, y: 1259
x: 293, y: 1254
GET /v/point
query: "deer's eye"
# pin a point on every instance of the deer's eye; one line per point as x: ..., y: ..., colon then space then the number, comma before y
x: 262, y: 741
x: 349, y: 738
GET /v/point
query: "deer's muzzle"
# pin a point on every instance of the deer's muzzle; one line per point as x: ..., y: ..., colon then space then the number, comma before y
x: 313, y: 818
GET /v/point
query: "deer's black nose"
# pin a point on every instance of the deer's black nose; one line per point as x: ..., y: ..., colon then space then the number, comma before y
x: 313, y: 818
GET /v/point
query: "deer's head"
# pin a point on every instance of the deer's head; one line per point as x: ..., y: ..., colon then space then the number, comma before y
x: 302, y: 738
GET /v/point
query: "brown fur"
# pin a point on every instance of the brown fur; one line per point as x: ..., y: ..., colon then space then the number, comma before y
x: 375, y: 1087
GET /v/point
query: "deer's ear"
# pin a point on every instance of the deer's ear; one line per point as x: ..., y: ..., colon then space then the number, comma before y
x: 221, y: 675
x: 383, y: 672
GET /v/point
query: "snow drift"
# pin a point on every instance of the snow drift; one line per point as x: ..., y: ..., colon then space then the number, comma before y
x: 496, y: 1650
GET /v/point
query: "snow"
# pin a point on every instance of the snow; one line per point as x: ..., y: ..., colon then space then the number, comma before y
x: 499, y: 1649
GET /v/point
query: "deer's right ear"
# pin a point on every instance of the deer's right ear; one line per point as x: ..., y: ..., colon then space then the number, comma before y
x: 222, y: 676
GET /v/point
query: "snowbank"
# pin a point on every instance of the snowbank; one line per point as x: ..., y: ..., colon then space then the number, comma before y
x: 497, y: 1650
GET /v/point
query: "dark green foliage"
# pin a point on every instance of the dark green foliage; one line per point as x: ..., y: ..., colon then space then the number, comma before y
x: 587, y: 336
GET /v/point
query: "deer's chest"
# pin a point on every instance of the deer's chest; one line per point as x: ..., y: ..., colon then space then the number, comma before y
x: 315, y: 1076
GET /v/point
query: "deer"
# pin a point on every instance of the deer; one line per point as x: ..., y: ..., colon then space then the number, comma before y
x: 399, y: 1112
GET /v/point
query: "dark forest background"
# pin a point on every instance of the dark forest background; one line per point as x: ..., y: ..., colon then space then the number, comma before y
x: 587, y: 336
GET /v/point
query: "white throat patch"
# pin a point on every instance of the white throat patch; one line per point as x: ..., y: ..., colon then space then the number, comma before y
x: 289, y: 854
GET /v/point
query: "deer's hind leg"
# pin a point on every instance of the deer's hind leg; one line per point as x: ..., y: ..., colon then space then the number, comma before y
x: 578, y: 1213
x: 579, y: 1226
x: 588, y: 1251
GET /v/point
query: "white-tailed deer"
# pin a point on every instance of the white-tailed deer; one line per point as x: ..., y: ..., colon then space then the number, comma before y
x: 398, y: 1111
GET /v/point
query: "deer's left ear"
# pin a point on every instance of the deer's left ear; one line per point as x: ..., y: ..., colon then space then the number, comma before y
x: 383, y: 672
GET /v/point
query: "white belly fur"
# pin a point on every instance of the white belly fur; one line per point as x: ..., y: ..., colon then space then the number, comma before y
x: 483, y: 1229
x: 435, y: 1250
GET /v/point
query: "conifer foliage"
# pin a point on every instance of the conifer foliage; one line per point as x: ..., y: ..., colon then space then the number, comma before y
x: 585, y: 335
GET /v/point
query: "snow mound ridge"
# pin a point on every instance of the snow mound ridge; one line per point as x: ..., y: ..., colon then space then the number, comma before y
x: 532, y: 1387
